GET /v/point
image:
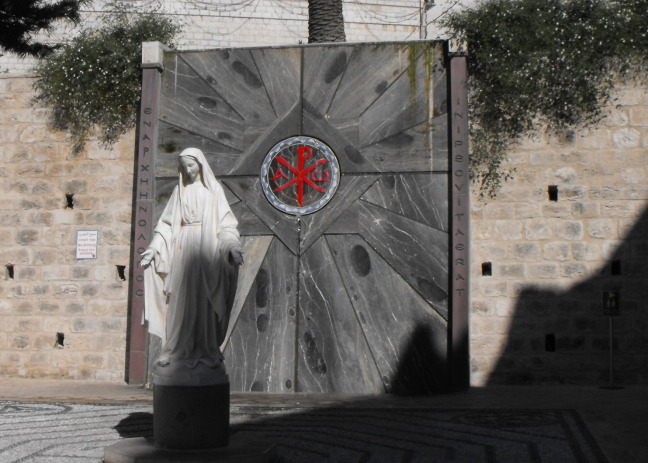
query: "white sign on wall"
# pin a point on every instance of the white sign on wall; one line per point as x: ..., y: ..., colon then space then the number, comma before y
x: 86, y: 245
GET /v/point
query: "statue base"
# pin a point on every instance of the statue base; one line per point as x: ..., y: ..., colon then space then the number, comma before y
x: 141, y: 450
x: 191, y: 417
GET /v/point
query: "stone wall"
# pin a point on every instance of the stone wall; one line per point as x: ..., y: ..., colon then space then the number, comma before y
x: 44, y: 289
x: 538, y: 316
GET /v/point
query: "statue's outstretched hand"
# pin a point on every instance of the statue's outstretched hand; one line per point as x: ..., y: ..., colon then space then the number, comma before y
x: 236, y: 256
x: 147, y: 257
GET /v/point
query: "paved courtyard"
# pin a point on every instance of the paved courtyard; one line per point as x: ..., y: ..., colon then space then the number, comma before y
x: 484, y: 425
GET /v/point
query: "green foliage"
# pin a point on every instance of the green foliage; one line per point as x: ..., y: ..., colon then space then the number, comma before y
x: 19, y: 19
x: 95, y: 81
x: 543, y: 65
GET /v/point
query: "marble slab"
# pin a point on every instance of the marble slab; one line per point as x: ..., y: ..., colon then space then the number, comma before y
x: 284, y: 226
x: 333, y: 355
x: 421, y: 197
x: 191, y: 102
x: 417, y: 252
x: 260, y: 354
x: 403, y: 331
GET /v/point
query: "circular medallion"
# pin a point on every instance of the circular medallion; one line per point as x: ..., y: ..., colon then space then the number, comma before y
x: 300, y: 175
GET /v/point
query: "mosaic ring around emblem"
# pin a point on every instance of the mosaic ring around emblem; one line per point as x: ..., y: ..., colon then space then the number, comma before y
x: 326, y: 153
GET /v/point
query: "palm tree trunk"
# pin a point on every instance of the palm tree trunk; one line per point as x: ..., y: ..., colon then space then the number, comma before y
x: 325, y: 21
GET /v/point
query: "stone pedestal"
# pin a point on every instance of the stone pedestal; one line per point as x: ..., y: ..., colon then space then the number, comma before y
x: 191, y: 417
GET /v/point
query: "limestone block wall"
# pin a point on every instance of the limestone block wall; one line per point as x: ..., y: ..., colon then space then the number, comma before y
x: 541, y: 260
x: 59, y: 316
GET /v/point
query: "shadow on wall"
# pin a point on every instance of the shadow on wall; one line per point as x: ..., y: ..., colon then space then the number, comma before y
x: 563, y: 337
x: 421, y: 369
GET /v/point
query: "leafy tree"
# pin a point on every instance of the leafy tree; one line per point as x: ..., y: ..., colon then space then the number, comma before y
x: 325, y: 21
x: 95, y: 81
x: 19, y: 19
x: 543, y: 65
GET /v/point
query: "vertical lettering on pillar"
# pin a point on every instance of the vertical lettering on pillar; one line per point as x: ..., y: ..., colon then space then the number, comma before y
x: 460, y: 234
x: 142, y: 217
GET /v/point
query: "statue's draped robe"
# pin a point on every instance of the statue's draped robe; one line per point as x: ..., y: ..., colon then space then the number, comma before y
x: 190, y: 284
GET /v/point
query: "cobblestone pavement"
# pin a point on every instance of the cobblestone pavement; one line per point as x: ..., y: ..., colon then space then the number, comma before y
x: 68, y: 432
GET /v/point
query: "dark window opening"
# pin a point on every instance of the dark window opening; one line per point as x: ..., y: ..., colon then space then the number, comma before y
x: 69, y: 198
x: 553, y: 192
x: 121, y: 272
x: 615, y: 267
x: 10, y: 271
x: 60, y: 340
x: 487, y: 269
x: 550, y: 342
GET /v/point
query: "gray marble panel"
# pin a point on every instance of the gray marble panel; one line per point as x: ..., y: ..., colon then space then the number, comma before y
x: 370, y: 73
x: 229, y: 195
x: 439, y: 136
x: 349, y: 156
x: 234, y: 75
x: 420, y: 197
x: 249, y: 163
x: 249, y: 223
x: 417, y: 252
x: 323, y: 70
x: 284, y: 226
x: 189, y: 101
x: 280, y: 71
x: 163, y: 189
x: 400, y: 107
x: 407, y: 337
x: 333, y: 355
x: 260, y: 354
x: 348, y: 222
x: 351, y: 188
x: 255, y: 249
x: 172, y: 140
x: 407, y: 151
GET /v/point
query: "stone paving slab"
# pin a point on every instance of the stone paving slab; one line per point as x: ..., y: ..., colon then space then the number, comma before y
x: 67, y: 432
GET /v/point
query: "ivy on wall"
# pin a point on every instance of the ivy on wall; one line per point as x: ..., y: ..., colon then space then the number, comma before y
x: 538, y: 65
x: 95, y: 80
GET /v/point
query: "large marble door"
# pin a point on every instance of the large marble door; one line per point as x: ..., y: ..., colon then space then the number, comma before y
x: 349, y: 295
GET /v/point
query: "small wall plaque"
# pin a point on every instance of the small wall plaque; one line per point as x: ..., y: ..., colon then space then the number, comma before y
x: 86, y: 245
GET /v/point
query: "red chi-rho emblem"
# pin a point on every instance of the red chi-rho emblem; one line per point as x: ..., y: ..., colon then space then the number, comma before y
x: 300, y: 175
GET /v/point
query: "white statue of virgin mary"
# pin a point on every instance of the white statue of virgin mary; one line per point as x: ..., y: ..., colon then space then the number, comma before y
x: 191, y: 267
